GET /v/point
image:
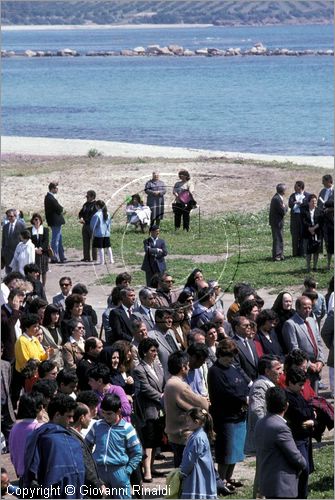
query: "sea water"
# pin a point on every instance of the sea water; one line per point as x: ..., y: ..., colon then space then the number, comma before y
x: 260, y: 104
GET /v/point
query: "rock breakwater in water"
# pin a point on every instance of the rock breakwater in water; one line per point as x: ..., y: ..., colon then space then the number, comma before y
x: 171, y: 50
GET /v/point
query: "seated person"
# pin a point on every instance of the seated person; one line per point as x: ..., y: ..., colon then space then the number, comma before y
x: 138, y: 213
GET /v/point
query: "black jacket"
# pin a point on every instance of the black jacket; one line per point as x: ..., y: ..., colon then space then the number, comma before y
x: 53, y: 211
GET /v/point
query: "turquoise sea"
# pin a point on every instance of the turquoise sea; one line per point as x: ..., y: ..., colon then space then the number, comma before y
x: 280, y: 105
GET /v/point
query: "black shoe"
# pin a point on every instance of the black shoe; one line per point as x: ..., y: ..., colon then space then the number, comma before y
x: 235, y: 483
x: 224, y: 491
x: 156, y: 473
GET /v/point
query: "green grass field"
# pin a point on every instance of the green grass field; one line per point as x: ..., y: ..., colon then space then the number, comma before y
x: 228, y: 248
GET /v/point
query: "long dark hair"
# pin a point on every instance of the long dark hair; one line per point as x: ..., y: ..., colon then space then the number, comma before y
x: 101, y: 204
x: 205, y: 419
x: 51, y: 308
x: 190, y: 282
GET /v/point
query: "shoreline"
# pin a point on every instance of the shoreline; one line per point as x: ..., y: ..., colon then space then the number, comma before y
x: 42, y: 27
x: 44, y: 146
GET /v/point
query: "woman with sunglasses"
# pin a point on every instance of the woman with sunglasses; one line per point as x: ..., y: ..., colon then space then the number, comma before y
x: 40, y: 238
x: 73, y: 350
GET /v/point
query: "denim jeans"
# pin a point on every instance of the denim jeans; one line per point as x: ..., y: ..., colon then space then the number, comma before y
x: 57, y: 243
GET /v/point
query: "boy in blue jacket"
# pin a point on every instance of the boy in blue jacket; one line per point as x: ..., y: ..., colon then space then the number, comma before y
x: 117, y: 448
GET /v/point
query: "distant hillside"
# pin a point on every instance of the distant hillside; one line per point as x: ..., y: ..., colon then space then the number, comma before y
x: 220, y: 12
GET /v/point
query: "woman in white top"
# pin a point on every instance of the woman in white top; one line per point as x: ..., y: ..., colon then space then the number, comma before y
x: 40, y: 238
x: 184, y: 201
x: 24, y: 253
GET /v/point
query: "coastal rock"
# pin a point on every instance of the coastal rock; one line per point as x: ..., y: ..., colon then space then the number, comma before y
x: 67, y: 53
x: 127, y: 52
x: 188, y: 53
x: 7, y: 53
x: 177, y: 50
x: 30, y: 53
x: 215, y: 52
x: 201, y: 52
x: 164, y: 51
x: 152, y: 50
x: 140, y: 51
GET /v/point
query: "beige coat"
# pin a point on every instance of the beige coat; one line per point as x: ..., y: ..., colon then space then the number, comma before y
x: 178, y: 399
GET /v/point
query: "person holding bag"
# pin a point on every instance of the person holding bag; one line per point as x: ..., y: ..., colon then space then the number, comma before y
x: 184, y: 201
x: 312, y: 218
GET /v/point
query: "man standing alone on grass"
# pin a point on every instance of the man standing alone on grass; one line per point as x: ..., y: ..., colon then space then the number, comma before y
x: 155, y: 252
x: 278, y: 210
x: 54, y: 216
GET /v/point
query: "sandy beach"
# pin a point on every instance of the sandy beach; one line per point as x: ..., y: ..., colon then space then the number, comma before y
x: 79, y: 147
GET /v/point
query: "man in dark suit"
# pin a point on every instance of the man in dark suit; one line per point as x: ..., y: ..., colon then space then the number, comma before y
x: 11, y: 237
x: 120, y: 318
x: 155, y: 252
x: 54, y: 216
x: 247, y: 356
x: 278, y: 460
x: 65, y: 284
x: 278, y: 210
x: 7, y: 411
x: 146, y: 311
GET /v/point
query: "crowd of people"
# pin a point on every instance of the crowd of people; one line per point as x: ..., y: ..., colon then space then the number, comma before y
x: 170, y: 368
x: 311, y: 222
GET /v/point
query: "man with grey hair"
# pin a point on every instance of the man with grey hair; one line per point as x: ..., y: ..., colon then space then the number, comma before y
x: 120, y: 318
x: 278, y: 210
x: 155, y: 189
x: 145, y: 311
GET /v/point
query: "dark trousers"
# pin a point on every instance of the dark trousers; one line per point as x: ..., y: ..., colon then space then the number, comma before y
x: 181, y: 211
x: 296, y: 232
x: 87, y: 243
x: 303, y: 447
x: 177, y: 453
x: 6, y: 421
x: 277, y: 241
x: 16, y: 387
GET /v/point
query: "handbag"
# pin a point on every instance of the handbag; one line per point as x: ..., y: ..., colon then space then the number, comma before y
x: 313, y: 246
x: 185, y: 197
x: 51, y: 253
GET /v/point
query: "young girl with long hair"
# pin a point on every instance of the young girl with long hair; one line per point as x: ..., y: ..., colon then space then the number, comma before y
x: 101, y: 225
x: 197, y: 467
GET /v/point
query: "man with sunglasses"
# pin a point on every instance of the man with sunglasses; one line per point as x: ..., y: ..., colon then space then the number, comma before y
x: 247, y: 355
x: 165, y: 295
x: 58, y: 300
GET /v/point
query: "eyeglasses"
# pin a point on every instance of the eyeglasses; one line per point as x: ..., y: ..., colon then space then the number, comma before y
x: 65, y: 284
x: 80, y: 327
x: 169, y: 281
x: 36, y: 218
